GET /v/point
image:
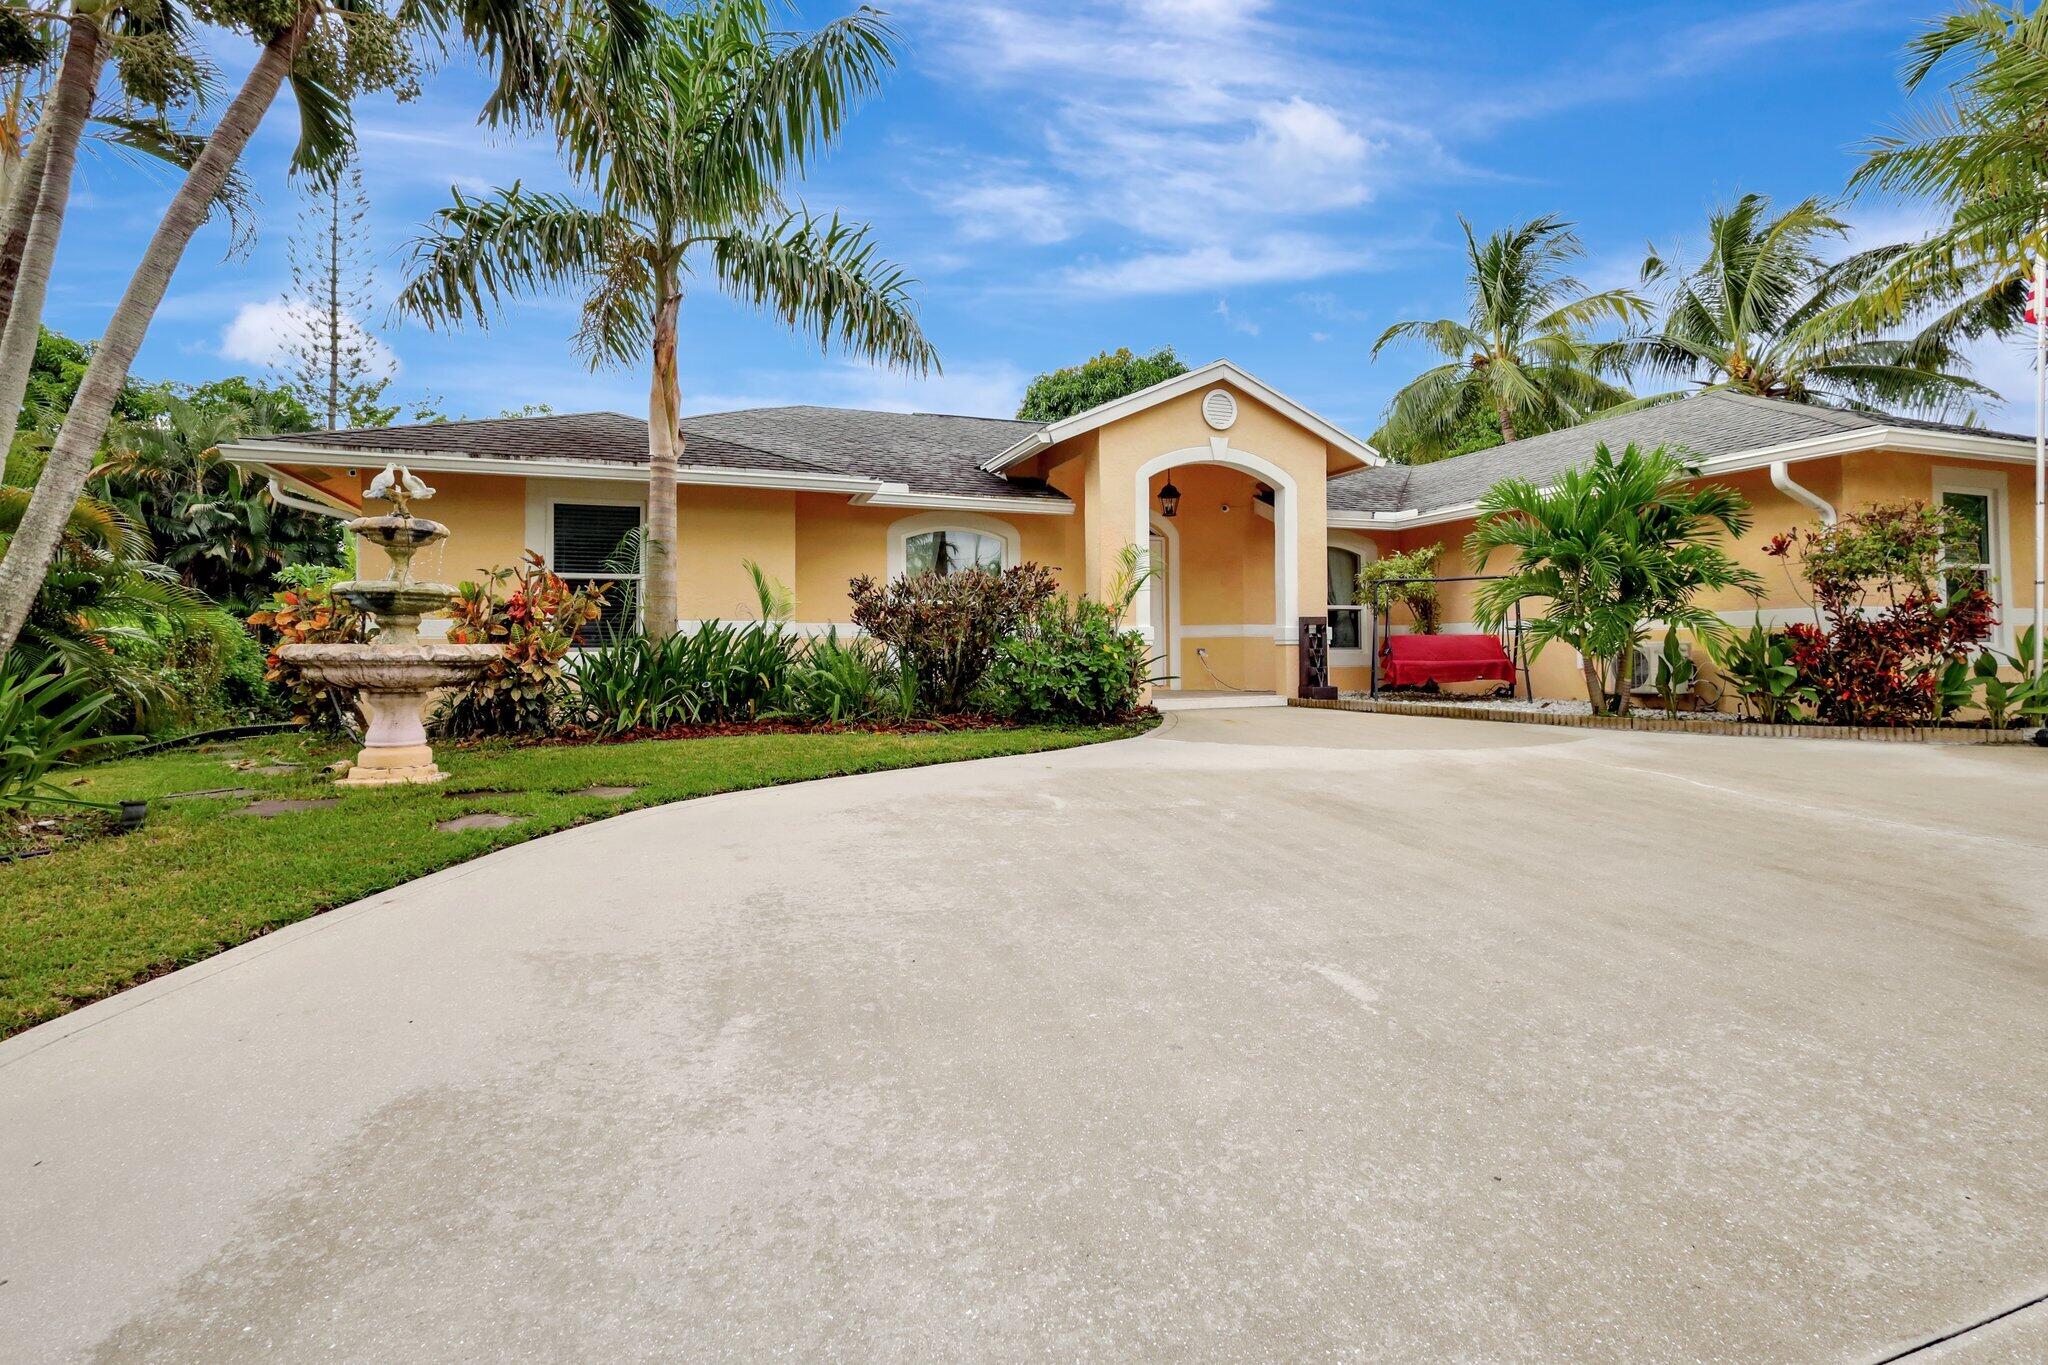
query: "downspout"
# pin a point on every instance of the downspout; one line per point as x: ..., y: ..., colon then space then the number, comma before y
x: 1781, y: 479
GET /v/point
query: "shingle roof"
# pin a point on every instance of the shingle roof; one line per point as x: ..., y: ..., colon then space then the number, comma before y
x: 931, y: 452
x: 928, y: 452
x: 1704, y: 426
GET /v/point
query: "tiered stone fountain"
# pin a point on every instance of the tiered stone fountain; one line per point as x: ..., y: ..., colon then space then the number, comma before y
x: 396, y: 674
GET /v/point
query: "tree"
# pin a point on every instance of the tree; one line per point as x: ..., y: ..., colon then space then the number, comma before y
x: 331, y: 50
x: 1983, y: 155
x: 1611, y: 546
x: 684, y: 175
x: 1766, y: 314
x: 1523, y: 353
x: 1108, y: 376
x: 331, y: 357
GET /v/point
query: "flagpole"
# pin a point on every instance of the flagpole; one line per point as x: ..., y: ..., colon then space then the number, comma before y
x: 2040, y: 459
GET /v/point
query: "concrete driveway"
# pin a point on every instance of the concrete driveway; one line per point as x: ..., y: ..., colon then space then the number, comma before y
x: 1272, y: 1035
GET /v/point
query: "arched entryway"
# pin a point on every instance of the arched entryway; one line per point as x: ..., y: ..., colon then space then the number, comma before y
x: 1191, y: 550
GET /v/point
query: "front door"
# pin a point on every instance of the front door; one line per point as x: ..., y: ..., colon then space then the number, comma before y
x: 1162, y: 614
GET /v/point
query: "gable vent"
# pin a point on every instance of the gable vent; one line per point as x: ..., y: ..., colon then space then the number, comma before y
x: 1219, y: 409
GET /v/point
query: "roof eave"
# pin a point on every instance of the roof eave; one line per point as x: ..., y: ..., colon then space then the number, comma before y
x: 1906, y: 440
x: 1168, y: 389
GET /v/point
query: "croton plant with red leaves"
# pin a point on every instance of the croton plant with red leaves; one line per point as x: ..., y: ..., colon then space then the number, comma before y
x: 1888, y: 620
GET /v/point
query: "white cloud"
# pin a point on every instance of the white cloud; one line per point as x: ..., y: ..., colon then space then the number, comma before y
x: 1233, y: 321
x: 1034, y: 213
x: 1209, y: 134
x: 1279, y: 256
x: 260, y: 334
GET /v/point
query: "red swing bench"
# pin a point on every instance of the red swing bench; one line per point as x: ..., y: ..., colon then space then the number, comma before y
x: 1412, y: 660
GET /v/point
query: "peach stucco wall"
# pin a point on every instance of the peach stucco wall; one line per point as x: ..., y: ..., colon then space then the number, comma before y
x: 1224, y: 573
x: 1850, y: 484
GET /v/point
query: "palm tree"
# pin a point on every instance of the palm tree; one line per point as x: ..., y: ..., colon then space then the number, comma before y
x: 1765, y: 313
x: 1522, y: 357
x: 330, y: 50
x: 684, y: 175
x: 1984, y: 155
x: 1610, y: 546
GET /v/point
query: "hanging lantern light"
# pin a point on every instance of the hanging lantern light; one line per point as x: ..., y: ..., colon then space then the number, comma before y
x: 1169, y: 500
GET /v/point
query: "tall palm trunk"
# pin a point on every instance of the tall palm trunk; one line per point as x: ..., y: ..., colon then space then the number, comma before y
x: 1507, y: 426
x: 71, y: 459
x: 21, y: 211
x: 664, y: 448
x: 70, y: 104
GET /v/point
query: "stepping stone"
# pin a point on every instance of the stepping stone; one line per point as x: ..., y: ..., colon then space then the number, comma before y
x: 264, y: 810
x: 211, y: 793
x: 483, y: 819
x: 276, y: 769
x: 605, y: 791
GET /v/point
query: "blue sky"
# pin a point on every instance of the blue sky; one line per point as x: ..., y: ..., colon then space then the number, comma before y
x: 1269, y: 181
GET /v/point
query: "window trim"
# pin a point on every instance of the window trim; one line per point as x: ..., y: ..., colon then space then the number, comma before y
x: 901, y: 531
x: 1368, y: 551
x: 1992, y: 486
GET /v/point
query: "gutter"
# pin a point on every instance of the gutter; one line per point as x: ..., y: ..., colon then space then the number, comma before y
x: 860, y: 490
x: 283, y: 497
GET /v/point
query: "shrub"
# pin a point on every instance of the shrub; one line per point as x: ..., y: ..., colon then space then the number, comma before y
x: 217, y: 666
x: 46, y: 722
x: 307, y: 612
x: 716, y: 673
x: 1378, y: 594
x: 1887, y: 630
x: 844, y: 682
x: 534, y: 615
x: 1072, y: 661
x: 944, y: 628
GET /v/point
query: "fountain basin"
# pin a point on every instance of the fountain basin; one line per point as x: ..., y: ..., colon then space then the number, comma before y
x: 393, y: 684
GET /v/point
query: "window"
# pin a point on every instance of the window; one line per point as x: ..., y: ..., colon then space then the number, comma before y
x: 1345, y: 615
x: 1975, y: 568
x: 950, y: 551
x: 587, y: 541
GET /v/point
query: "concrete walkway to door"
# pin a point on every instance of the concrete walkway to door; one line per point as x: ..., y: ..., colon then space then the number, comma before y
x: 1274, y: 1034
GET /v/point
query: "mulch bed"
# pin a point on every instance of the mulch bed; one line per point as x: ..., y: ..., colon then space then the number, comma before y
x: 32, y: 837
x: 927, y: 725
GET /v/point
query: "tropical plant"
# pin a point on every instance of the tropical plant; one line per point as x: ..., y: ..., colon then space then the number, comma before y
x: 1396, y: 580
x: 304, y: 611
x: 1676, y: 672
x: 1524, y: 352
x: 684, y: 173
x: 330, y: 57
x: 1887, y: 625
x: 215, y: 523
x: 842, y: 682
x: 1104, y: 378
x: 944, y: 628
x: 1610, y: 546
x: 1765, y: 313
x: 103, y: 606
x: 2023, y: 697
x: 716, y: 673
x: 1983, y: 155
x: 535, y: 617
x: 47, y: 719
x: 1757, y: 665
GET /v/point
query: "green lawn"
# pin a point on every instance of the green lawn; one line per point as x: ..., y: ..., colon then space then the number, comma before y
x: 85, y: 921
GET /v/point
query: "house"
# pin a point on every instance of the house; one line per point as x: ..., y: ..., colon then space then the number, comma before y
x: 1259, y: 511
